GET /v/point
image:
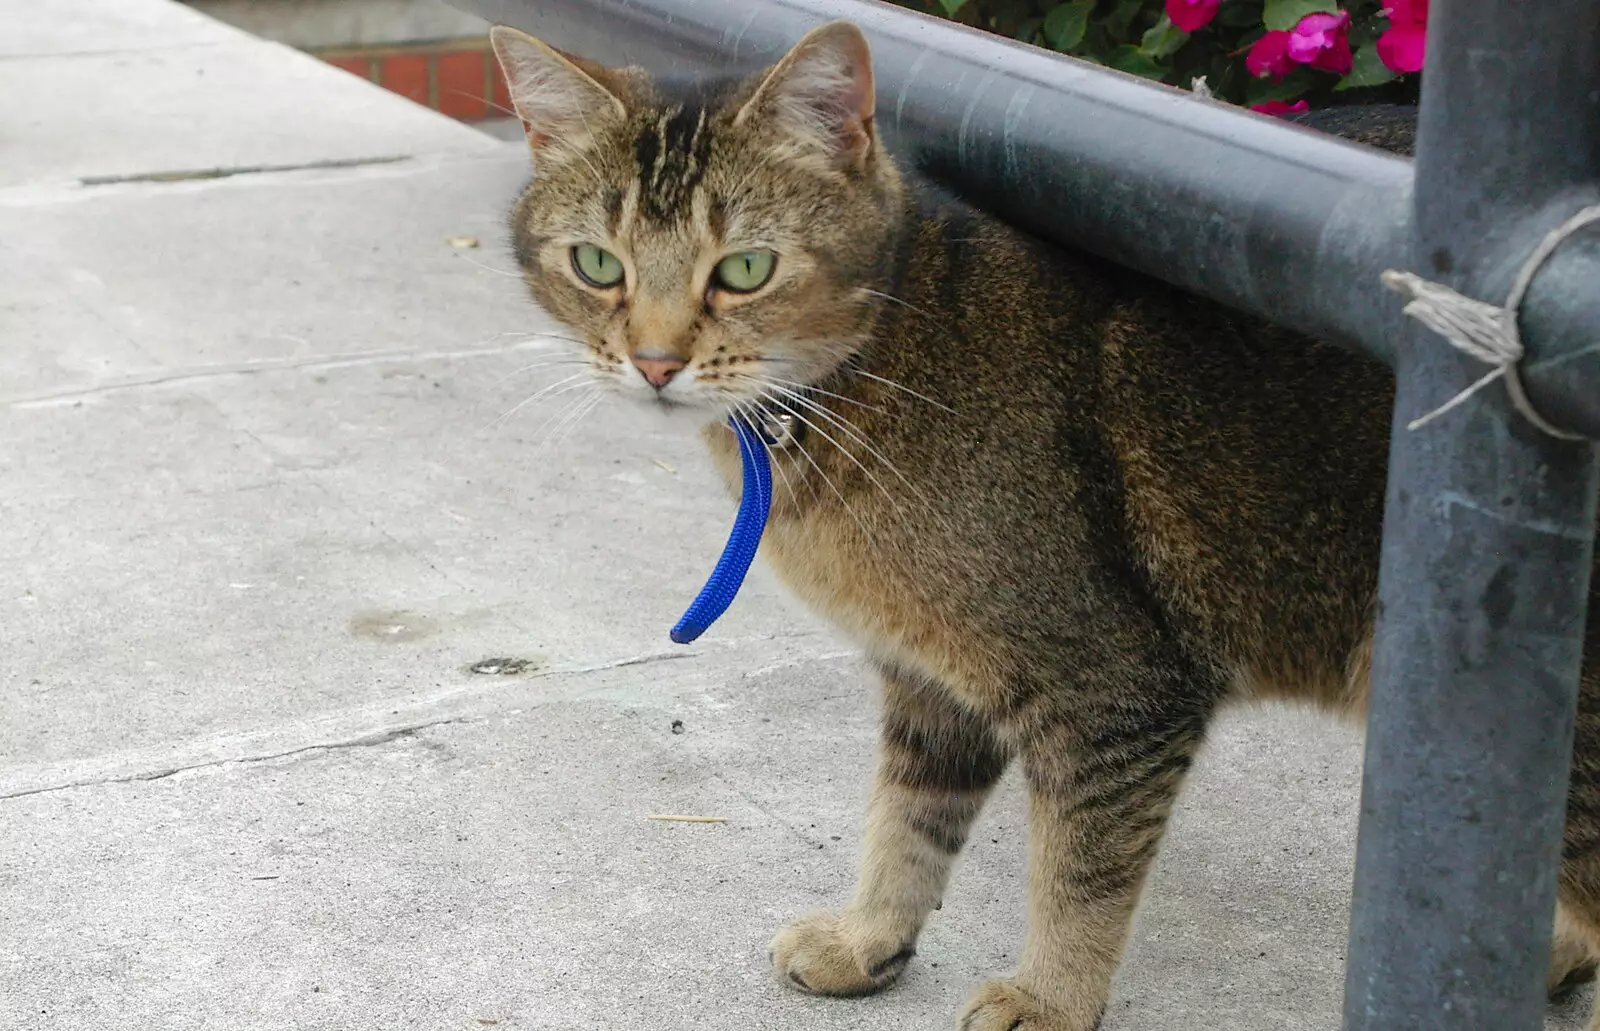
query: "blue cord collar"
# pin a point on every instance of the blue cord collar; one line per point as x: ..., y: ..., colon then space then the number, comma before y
x: 755, y: 503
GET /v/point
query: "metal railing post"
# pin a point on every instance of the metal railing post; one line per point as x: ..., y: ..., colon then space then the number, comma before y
x: 1486, y: 557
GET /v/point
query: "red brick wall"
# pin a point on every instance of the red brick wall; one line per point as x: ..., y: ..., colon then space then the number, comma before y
x: 457, y: 77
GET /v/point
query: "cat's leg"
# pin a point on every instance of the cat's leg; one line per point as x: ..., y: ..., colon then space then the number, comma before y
x: 1578, y: 910
x: 1572, y: 961
x: 1101, y: 785
x: 935, y: 768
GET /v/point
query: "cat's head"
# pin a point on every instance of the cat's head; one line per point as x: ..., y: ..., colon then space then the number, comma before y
x: 706, y: 243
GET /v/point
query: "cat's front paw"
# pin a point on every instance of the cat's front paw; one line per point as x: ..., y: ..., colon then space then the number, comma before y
x: 817, y: 954
x: 1003, y: 1006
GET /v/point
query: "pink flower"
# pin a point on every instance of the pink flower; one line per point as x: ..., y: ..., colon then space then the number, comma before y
x: 1406, y: 12
x: 1269, y: 55
x: 1322, y: 41
x: 1280, y: 107
x: 1402, y: 48
x: 1402, y: 45
x: 1189, y: 15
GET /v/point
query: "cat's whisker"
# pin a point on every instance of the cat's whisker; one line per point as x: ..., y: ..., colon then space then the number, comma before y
x: 744, y: 411
x: 540, y: 430
x: 582, y: 411
x: 783, y: 474
x: 902, y: 387
x: 555, y: 387
x: 853, y: 431
x: 559, y: 365
x: 501, y: 336
x: 559, y: 387
x: 545, y: 435
x: 540, y: 371
x: 836, y: 492
x: 856, y: 433
x: 891, y: 297
x: 491, y: 104
x: 748, y: 408
x: 528, y: 336
x: 548, y: 361
x: 888, y: 495
x: 586, y: 382
x: 486, y: 268
x: 741, y: 409
x: 818, y: 390
x: 560, y: 354
x: 753, y: 416
x: 544, y: 334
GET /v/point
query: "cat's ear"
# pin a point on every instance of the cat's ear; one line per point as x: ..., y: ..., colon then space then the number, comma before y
x: 821, y: 93
x: 560, y: 98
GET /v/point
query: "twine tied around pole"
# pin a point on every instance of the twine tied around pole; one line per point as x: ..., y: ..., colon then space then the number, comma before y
x: 1488, y: 333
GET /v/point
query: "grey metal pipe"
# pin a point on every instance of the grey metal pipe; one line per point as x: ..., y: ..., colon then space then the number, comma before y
x: 1486, y: 558
x: 1267, y: 217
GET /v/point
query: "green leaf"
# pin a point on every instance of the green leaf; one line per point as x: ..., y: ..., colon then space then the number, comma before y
x: 1094, y: 47
x: 1239, y: 15
x: 1164, y: 40
x: 1065, y: 25
x: 1292, y: 87
x: 1368, y: 70
x: 1283, y: 15
x: 1131, y: 59
x: 1367, y: 30
x: 1120, y: 20
x: 952, y: 6
x: 1225, y: 75
x: 1028, y: 31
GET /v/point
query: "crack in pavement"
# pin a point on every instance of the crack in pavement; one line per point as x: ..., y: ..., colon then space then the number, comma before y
x: 71, y: 189
x: 367, y: 740
x: 226, y: 171
x: 168, y: 377
x: 137, y: 50
x: 64, y: 780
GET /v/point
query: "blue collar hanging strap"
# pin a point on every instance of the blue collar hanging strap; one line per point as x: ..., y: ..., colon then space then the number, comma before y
x: 755, y: 503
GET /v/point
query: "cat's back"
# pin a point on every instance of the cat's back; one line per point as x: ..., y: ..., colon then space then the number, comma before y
x: 1233, y: 469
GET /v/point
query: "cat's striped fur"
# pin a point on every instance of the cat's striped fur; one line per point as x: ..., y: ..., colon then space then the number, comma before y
x: 1067, y: 511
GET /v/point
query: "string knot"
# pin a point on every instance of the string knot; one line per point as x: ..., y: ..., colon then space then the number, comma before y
x: 1488, y: 333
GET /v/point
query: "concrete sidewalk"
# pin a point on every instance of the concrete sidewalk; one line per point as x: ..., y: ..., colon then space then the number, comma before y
x: 261, y: 526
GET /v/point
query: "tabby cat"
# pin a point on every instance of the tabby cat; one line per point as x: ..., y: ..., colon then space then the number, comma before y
x: 1067, y: 511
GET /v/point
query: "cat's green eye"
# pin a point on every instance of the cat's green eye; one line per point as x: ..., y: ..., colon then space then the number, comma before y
x: 596, y: 267
x: 745, y: 272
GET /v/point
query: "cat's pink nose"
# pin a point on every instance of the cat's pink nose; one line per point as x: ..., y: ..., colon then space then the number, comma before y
x: 657, y: 371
